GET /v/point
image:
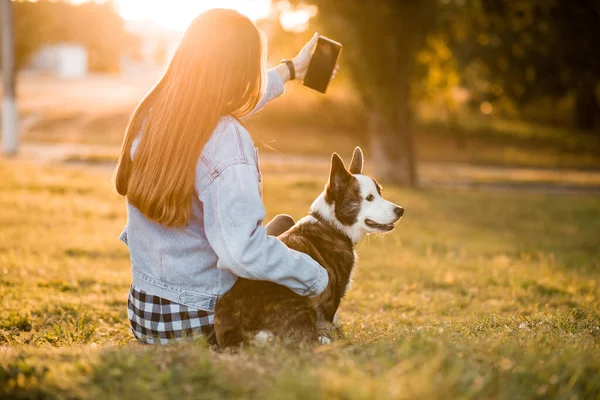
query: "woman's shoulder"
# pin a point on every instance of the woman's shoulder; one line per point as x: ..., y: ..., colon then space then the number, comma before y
x: 229, y: 144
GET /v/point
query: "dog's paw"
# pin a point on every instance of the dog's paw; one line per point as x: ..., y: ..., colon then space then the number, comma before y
x: 324, y: 340
x: 263, y: 337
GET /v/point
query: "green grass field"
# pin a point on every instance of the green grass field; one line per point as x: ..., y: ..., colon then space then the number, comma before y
x: 475, y: 295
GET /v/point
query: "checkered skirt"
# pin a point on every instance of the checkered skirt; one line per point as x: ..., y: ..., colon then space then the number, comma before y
x: 155, y: 320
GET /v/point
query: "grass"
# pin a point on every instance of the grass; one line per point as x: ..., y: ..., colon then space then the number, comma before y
x: 475, y: 295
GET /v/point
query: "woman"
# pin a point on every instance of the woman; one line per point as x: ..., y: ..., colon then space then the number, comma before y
x: 189, y: 171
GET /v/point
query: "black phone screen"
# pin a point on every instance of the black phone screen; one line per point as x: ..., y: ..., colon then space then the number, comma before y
x: 322, y: 64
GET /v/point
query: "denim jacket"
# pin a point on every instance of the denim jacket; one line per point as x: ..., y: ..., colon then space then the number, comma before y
x: 225, y: 237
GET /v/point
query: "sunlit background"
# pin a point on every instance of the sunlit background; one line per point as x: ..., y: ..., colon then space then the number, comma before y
x: 466, y: 77
x: 177, y: 14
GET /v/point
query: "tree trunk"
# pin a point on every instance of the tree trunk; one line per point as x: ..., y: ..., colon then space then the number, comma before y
x: 585, y: 110
x: 392, y: 149
x: 404, y: 124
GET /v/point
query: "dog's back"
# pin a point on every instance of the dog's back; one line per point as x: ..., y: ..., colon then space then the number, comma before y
x: 254, y: 306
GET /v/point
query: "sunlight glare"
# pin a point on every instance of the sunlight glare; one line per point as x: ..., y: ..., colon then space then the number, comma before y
x: 295, y: 19
x: 177, y: 14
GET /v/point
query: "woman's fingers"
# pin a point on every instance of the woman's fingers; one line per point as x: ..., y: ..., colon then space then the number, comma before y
x: 306, y: 51
x: 312, y: 42
x: 302, y: 60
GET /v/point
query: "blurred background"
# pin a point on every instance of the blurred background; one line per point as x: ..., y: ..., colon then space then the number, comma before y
x: 438, y: 92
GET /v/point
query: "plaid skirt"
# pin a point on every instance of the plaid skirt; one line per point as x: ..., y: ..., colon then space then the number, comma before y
x: 155, y: 320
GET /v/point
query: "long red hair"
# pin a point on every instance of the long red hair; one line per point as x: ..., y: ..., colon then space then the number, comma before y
x: 217, y: 70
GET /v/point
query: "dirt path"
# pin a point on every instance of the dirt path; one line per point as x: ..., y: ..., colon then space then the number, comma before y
x: 447, y: 175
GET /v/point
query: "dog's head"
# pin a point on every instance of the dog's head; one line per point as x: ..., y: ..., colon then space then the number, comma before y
x: 353, y: 201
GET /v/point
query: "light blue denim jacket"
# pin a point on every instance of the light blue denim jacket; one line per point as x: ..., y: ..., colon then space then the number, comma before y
x: 225, y: 237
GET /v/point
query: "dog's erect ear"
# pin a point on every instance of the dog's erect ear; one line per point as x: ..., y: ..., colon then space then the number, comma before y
x: 356, y: 165
x: 339, y: 177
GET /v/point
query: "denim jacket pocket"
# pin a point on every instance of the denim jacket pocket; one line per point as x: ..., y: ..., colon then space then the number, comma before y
x: 260, y: 181
x: 198, y: 300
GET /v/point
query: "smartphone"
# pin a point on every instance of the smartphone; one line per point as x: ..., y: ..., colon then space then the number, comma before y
x: 322, y: 64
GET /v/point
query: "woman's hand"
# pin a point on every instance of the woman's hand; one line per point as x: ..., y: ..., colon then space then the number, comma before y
x: 302, y: 60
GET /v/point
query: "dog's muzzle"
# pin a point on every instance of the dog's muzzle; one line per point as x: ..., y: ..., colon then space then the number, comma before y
x: 380, y: 227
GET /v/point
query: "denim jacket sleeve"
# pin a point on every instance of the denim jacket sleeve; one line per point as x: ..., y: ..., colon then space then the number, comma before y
x: 233, y: 216
x: 275, y: 88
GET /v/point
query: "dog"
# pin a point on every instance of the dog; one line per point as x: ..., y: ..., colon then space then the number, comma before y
x: 350, y: 207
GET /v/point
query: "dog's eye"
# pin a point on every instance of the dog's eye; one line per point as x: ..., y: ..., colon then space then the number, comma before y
x: 370, y: 197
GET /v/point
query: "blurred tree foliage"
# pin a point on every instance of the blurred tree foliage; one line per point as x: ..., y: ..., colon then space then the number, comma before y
x: 97, y: 26
x: 529, y: 49
x: 511, y: 51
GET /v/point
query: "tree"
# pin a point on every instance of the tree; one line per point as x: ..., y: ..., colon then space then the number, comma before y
x: 381, y: 39
x: 528, y: 49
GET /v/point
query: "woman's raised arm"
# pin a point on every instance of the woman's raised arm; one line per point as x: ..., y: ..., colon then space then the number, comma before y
x: 278, y: 76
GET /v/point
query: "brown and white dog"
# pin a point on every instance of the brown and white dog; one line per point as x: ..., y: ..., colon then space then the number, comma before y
x: 350, y: 207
